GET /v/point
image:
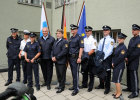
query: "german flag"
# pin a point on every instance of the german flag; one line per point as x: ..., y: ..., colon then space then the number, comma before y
x: 63, y: 23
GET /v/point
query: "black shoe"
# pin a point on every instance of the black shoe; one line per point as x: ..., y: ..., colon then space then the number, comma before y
x: 99, y: 87
x: 7, y: 83
x: 126, y: 90
x: 74, y: 93
x: 89, y: 89
x: 113, y: 95
x: 59, y: 90
x: 132, y: 96
x: 37, y: 88
x: 17, y: 80
x: 24, y: 82
x: 106, y: 91
x: 44, y: 84
x: 71, y: 88
x: 82, y: 86
x: 48, y: 87
x: 117, y: 97
x: 57, y: 87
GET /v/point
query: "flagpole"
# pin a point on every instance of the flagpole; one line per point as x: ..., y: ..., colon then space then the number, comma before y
x: 81, y: 11
x: 46, y: 17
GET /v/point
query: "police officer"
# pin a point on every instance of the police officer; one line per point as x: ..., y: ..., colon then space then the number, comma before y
x: 132, y: 60
x: 21, y: 54
x: 59, y: 57
x: 118, y: 64
x: 87, y: 59
x: 107, y: 44
x: 13, y: 45
x: 46, y: 42
x: 32, y: 52
x: 76, y: 45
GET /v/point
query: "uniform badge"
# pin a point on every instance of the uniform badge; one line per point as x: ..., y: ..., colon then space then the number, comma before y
x: 66, y: 45
x: 122, y: 52
x: 95, y: 43
x: 41, y: 42
x: 138, y: 45
x: 112, y: 42
x: 10, y: 42
x: 82, y: 41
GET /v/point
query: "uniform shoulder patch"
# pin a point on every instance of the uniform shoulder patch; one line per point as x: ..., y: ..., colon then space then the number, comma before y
x: 66, y: 45
x: 138, y: 45
x: 95, y: 43
x: 122, y: 52
x: 82, y: 41
x: 112, y: 42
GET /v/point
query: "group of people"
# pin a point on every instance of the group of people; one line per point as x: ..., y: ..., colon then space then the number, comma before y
x: 75, y: 52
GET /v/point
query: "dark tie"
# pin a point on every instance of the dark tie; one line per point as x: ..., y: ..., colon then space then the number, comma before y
x: 103, y: 44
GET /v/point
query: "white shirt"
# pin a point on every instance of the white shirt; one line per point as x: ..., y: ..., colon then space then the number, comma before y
x: 22, y: 46
x: 45, y: 37
x: 89, y: 43
x: 108, y: 46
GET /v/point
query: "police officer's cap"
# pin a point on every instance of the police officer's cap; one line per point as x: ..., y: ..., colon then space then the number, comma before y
x: 26, y: 32
x: 73, y: 27
x: 135, y: 27
x: 33, y: 35
x: 122, y: 36
x: 13, y: 30
x: 88, y: 28
x: 105, y: 27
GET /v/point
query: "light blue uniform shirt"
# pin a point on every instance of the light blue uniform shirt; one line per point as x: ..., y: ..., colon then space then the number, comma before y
x: 108, y: 46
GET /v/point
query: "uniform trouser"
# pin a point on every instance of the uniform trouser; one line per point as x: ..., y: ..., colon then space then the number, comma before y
x: 11, y: 64
x: 106, y: 82
x: 47, y: 70
x: 24, y: 68
x: 132, y: 81
x: 61, y: 74
x: 34, y: 67
x: 87, y: 71
x: 75, y: 72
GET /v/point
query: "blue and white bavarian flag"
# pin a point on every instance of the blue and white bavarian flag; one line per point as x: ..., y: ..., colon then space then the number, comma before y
x: 43, y: 21
x: 82, y: 23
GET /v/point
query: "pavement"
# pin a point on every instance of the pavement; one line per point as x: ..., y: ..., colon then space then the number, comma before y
x: 45, y: 94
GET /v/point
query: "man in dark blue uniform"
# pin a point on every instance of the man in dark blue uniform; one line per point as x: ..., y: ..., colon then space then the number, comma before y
x: 46, y: 42
x: 132, y: 60
x: 32, y: 52
x: 118, y: 64
x: 13, y: 45
x: 59, y: 57
x: 76, y: 45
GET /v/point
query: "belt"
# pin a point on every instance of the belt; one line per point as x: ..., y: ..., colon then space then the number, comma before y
x: 73, y: 55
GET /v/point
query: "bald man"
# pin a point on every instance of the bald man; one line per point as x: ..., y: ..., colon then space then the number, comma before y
x: 46, y: 42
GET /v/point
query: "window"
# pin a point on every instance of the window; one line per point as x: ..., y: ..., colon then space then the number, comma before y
x: 99, y: 34
x: 31, y: 2
x: 60, y: 3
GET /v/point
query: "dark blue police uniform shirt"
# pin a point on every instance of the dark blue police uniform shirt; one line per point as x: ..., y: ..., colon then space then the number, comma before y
x: 32, y: 49
x: 46, y: 47
x: 133, y: 53
x: 119, y: 56
x: 60, y: 51
x: 75, y: 43
x: 13, y: 47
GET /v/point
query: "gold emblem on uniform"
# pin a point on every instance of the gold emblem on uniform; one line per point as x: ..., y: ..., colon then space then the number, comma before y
x: 41, y: 42
x: 66, y: 45
x: 28, y: 46
x: 112, y: 42
x: 10, y: 42
x: 138, y: 45
x: 82, y: 41
x: 122, y: 52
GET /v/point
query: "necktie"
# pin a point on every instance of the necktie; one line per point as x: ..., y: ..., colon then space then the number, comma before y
x: 103, y: 44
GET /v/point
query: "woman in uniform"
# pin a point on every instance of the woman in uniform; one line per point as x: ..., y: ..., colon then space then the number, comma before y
x: 118, y: 64
x: 32, y: 52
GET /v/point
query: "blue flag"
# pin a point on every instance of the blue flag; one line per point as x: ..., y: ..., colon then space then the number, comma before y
x: 82, y: 23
